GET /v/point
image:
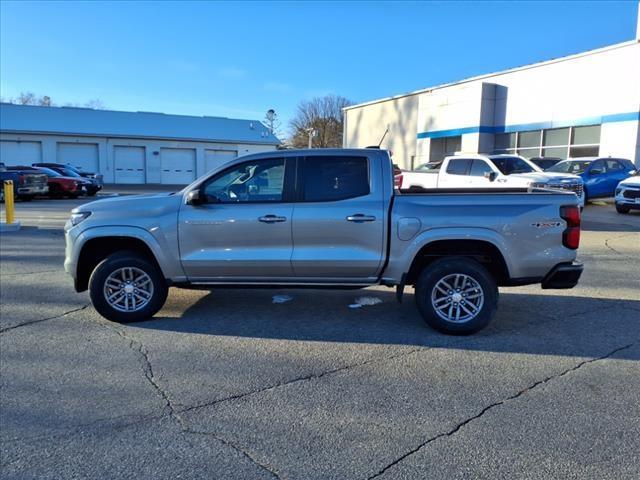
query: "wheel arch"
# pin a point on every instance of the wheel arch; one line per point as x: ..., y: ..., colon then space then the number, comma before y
x: 483, y: 251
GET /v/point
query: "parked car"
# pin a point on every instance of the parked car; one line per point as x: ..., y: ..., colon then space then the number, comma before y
x: 59, y: 185
x: 600, y: 175
x: 26, y: 185
x: 323, y: 218
x: 545, y: 162
x: 96, y: 178
x: 93, y: 186
x: 628, y: 194
x: 491, y: 171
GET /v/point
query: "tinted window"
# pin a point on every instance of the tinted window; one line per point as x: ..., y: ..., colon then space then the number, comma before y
x: 258, y: 181
x: 614, y: 166
x: 570, y: 166
x: 459, y: 166
x: 335, y: 178
x: 479, y: 167
x: 598, y: 165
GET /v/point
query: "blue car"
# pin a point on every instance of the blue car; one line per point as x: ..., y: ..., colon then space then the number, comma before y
x: 600, y: 175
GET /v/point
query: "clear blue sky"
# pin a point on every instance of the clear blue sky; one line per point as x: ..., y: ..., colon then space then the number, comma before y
x: 240, y: 59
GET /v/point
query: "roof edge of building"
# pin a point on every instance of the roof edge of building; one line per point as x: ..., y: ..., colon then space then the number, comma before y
x: 140, y: 137
x: 500, y: 72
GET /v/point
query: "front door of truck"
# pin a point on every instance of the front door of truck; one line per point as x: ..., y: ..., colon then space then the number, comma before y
x: 242, y: 231
x: 338, y: 220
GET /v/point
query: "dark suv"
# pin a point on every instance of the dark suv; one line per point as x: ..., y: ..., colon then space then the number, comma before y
x: 70, y: 171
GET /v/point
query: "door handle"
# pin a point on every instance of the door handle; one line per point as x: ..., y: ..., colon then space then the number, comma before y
x: 272, y: 219
x: 359, y: 217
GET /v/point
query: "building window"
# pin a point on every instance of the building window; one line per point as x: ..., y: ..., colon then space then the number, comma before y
x: 442, y: 147
x: 553, y: 142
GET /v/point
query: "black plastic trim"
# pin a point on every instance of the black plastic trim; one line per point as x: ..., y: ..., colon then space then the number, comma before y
x: 563, y: 275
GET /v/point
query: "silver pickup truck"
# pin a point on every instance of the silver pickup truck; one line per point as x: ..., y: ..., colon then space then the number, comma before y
x: 323, y: 219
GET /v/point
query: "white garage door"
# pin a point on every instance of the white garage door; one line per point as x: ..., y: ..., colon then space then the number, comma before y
x: 215, y: 158
x: 20, y: 153
x: 177, y: 165
x: 81, y: 155
x: 129, y: 163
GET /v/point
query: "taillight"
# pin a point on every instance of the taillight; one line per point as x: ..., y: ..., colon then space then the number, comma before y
x: 397, y: 180
x: 571, y: 234
x: 21, y: 179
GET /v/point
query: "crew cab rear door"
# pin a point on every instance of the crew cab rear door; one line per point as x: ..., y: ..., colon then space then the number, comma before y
x: 338, y: 219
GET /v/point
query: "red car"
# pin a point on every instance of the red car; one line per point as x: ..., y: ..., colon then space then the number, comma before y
x: 59, y: 185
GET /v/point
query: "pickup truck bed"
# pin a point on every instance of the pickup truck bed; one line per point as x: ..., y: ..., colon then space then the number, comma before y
x: 324, y: 218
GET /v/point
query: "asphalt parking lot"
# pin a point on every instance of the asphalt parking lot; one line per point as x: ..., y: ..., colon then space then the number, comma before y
x: 226, y: 384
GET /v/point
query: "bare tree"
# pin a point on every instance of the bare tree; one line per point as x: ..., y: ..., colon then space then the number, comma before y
x: 30, y: 98
x: 272, y: 122
x: 322, y: 119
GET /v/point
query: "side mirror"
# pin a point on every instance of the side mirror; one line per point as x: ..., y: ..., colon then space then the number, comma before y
x: 491, y: 176
x: 595, y: 171
x: 195, y: 198
x: 633, y: 173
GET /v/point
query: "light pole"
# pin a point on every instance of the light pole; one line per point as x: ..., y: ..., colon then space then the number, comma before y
x: 311, y: 132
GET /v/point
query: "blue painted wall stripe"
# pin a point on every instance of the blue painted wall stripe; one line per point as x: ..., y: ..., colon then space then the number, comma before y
x: 615, y: 117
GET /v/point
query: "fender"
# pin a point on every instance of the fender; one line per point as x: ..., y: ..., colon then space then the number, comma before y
x: 403, y: 253
x: 171, y: 266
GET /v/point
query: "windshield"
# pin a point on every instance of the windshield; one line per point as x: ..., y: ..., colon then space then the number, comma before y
x: 511, y: 165
x: 570, y: 166
x: 48, y: 172
x: 67, y: 172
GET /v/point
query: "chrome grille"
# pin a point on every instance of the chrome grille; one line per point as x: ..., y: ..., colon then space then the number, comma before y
x: 576, y: 188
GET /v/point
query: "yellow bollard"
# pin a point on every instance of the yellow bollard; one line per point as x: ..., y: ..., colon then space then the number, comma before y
x: 8, y: 201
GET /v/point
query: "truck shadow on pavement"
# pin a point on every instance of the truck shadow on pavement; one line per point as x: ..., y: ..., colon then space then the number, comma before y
x: 540, y: 324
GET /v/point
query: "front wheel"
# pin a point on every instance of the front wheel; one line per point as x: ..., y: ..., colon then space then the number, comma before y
x: 126, y: 287
x: 456, y: 295
x: 622, y: 208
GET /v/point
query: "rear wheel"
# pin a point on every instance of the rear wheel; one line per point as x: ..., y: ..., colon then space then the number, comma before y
x: 622, y: 208
x: 456, y: 295
x: 126, y: 287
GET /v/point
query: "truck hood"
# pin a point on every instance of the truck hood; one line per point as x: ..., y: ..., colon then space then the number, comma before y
x: 545, y: 177
x: 631, y: 181
x: 131, y: 204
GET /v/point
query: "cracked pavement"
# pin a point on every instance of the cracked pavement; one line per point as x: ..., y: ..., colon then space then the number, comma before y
x: 228, y: 385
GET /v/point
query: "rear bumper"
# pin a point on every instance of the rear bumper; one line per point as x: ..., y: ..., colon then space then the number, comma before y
x: 563, y: 275
x: 32, y: 190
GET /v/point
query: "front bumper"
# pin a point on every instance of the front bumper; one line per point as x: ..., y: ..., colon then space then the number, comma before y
x: 33, y: 190
x: 563, y: 275
x: 628, y: 197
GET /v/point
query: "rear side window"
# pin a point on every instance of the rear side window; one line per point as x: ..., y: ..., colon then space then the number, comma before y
x: 459, y: 166
x: 328, y: 179
x: 614, y: 165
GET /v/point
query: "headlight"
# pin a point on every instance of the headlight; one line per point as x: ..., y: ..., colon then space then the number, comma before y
x: 78, y: 217
x: 618, y: 191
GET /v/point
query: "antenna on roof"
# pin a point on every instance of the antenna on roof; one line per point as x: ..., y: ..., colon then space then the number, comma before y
x: 383, y: 135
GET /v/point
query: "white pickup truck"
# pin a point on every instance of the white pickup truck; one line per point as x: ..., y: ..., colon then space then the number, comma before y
x: 490, y: 171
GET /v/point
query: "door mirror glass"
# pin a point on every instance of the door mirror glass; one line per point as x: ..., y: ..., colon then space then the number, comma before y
x: 194, y: 198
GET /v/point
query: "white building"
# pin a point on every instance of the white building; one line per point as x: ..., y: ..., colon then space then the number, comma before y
x: 127, y: 147
x: 580, y: 105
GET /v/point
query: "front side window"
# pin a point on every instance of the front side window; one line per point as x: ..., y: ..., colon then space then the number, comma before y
x: 598, y: 167
x: 329, y: 179
x: 459, y: 166
x: 614, y: 166
x: 250, y: 182
x: 479, y: 168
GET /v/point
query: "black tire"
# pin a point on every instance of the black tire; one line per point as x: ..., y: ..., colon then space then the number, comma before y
x: 25, y: 198
x: 73, y: 196
x: 92, y: 193
x: 438, y: 270
x: 622, y: 208
x: 54, y: 191
x: 115, y: 262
